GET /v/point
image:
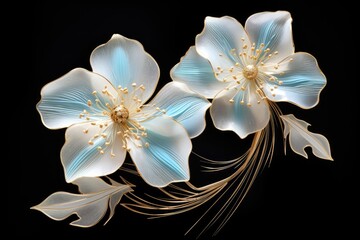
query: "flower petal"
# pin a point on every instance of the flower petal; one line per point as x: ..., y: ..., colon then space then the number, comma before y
x: 63, y: 100
x: 196, y: 72
x: 123, y: 62
x: 238, y: 117
x: 183, y: 105
x: 81, y: 159
x: 274, y: 30
x: 220, y: 42
x: 302, y: 81
x: 164, y: 155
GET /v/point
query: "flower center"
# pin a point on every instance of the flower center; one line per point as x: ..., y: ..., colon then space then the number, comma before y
x: 119, y: 114
x: 250, y: 72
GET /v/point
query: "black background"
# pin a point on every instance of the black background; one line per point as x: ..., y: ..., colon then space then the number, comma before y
x: 294, y: 197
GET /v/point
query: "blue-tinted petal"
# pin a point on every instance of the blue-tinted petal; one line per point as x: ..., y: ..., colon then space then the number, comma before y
x: 97, y: 158
x: 64, y: 100
x: 243, y: 118
x: 164, y: 154
x: 273, y: 29
x: 123, y: 62
x: 220, y: 42
x: 185, y: 106
x: 301, y: 81
x: 197, y: 73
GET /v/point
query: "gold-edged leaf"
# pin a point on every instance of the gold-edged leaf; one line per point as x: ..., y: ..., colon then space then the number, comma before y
x: 90, y: 206
x: 300, y: 138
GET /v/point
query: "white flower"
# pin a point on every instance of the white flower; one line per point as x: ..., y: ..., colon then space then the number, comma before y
x: 241, y: 69
x: 106, y: 116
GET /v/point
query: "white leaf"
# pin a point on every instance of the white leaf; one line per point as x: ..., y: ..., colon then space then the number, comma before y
x: 90, y: 206
x: 300, y: 138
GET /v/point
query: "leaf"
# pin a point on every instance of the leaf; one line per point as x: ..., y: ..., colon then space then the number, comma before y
x: 300, y: 138
x: 90, y: 206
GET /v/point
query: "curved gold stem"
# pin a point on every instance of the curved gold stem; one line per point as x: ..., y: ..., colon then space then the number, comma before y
x: 183, y: 197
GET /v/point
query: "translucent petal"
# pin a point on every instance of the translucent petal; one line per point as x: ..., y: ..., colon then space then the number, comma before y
x: 196, y: 72
x: 164, y: 155
x: 240, y: 117
x: 301, y: 81
x: 63, y: 100
x: 273, y: 29
x: 123, y: 62
x: 183, y: 105
x: 102, y: 156
x: 221, y: 41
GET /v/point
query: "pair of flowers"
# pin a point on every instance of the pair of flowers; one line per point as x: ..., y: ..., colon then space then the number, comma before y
x: 243, y: 69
